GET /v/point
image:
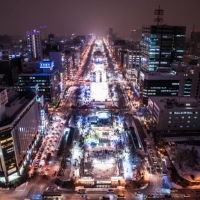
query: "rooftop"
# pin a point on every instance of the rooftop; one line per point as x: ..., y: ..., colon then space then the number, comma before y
x: 176, y: 102
x: 16, y: 104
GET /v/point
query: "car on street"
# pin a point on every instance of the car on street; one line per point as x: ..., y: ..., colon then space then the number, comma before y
x: 81, y: 191
x: 110, y: 191
x: 168, y: 196
x: 120, y: 196
x: 173, y: 190
x: 105, y: 198
x: 149, y: 196
x: 186, y: 195
x: 138, y: 193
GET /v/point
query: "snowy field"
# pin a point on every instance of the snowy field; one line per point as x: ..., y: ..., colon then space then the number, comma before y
x: 99, y: 91
x: 189, y: 165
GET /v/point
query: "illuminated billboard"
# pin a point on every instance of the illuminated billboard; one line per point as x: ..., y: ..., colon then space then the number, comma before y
x: 46, y: 64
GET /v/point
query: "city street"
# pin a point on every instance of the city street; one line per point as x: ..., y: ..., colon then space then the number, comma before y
x: 101, y: 152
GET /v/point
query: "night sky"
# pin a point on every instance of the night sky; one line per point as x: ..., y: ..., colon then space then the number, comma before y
x: 95, y: 16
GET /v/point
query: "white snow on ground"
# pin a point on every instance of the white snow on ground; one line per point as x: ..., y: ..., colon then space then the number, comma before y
x: 185, y: 172
x: 99, y: 91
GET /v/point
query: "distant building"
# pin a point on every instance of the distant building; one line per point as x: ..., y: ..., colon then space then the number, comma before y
x: 19, y: 121
x: 43, y: 30
x: 5, y: 40
x: 110, y: 32
x: 34, y: 44
x: 110, y: 36
x: 58, y: 57
x: 11, y: 68
x: 132, y: 60
x: 174, y: 113
x: 161, y: 45
x: 118, y: 45
x: 194, y: 43
x: 190, y: 60
x: 51, y: 39
x: 136, y: 35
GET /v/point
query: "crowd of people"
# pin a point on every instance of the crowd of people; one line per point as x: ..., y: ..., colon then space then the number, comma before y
x: 102, y: 154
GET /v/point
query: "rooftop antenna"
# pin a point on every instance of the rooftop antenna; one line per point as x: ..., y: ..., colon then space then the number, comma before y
x: 158, y: 13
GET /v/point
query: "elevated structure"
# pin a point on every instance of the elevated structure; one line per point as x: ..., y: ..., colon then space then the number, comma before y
x: 158, y: 16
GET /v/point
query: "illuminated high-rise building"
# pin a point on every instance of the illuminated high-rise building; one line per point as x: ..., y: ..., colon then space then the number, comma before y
x: 161, y: 44
x: 194, y: 48
x: 34, y: 44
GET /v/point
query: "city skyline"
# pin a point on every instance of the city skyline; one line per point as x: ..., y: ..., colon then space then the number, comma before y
x: 99, y: 99
x: 82, y: 17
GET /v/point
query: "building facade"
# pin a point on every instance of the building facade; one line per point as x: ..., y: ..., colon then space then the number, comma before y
x: 18, y: 132
x: 161, y: 45
x: 48, y: 80
x: 177, y: 113
x: 11, y: 68
x: 132, y: 59
x: 184, y: 83
x: 194, y: 48
x: 34, y: 44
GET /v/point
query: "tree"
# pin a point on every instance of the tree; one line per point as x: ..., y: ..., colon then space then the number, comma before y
x: 193, y: 158
x: 186, y: 156
x: 182, y: 155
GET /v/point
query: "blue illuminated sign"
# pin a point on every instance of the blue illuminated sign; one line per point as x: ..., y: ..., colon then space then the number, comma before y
x: 46, y: 64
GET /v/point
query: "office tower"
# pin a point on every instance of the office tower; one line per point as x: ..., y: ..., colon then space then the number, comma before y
x: 34, y: 44
x: 5, y: 39
x: 51, y: 39
x: 110, y: 32
x: 48, y: 79
x: 161, y: 44
x: 110, y: 36
x: 19, y: 121
x: 194, y: 42
x: 184, y: 82
x: 132, y: 59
